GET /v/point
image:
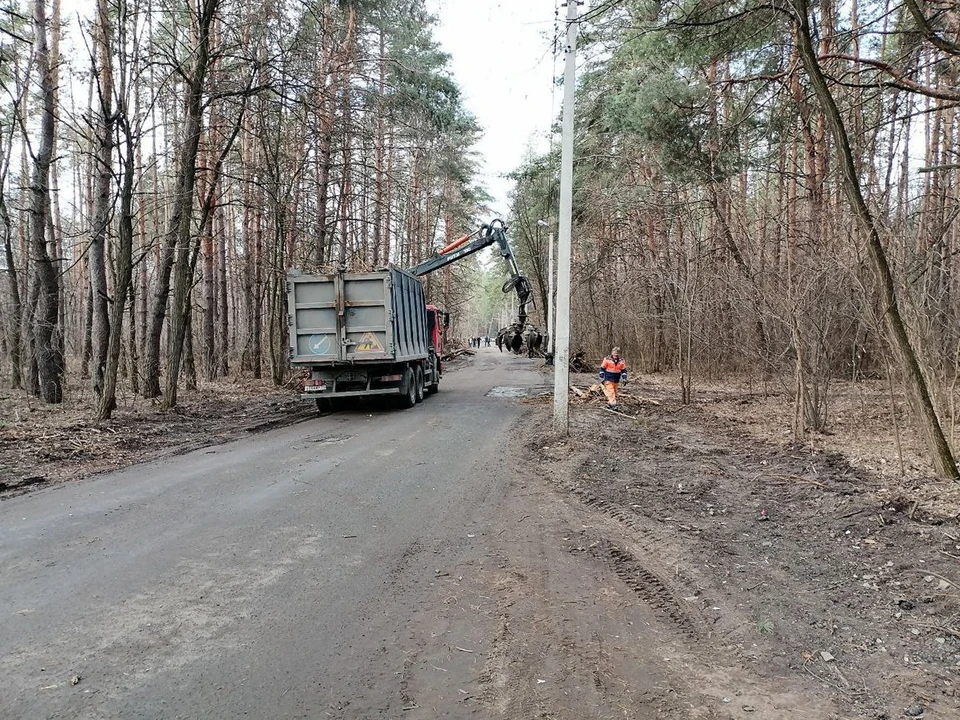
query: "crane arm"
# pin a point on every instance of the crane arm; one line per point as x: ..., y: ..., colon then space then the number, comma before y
x: 494, y: 233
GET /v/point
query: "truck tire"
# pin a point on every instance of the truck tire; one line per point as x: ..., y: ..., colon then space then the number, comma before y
x: 432, y: 388
x: 325, y: 406
x: 408, y: 398
x: 418, y: 375
x: 434, y: 375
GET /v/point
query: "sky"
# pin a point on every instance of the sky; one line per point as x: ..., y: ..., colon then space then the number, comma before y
x: 502, y: 58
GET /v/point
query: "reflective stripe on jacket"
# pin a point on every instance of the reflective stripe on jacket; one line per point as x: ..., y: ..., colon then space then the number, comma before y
x: 612, y: 369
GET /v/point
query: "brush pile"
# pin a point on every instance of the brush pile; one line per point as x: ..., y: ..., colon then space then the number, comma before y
x: 594, y: 394
x: 456, y: 351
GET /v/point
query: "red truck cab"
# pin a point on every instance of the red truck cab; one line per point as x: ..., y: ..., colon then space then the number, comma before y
x: 437, y: 320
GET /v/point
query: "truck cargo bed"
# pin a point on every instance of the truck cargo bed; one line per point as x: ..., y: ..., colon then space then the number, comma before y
x: 370, y: 317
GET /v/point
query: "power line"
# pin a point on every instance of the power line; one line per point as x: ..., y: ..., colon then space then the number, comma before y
x: 599, y: 10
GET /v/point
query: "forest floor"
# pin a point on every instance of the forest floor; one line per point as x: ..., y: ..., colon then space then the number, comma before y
x: 46, y: 444
x: 791, y: 580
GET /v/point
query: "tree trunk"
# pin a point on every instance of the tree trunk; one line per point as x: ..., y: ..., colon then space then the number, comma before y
x: 54, y: 225
x: 86, y: 351
x: 324, y: 161
x: 102, y: 77
x: 16, y: 307
x: 46, y: 344
x: 387, y: 211
x: 207, y: 188
x: 133, y: 349
x: 378, y: 159
x: 180, y: 222
x: 29, y: 341
x: 256, y: 319
x: 223, y: 317
x: 939, y: 450
x: 158, y: 313
x: 124, y: 277
x: 209, y: 310
x: 189, y: 361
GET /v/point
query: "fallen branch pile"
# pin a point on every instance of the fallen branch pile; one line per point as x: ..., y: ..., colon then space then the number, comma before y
x: 457, y: 352
x: 594, y: 393
x: 578, y: 363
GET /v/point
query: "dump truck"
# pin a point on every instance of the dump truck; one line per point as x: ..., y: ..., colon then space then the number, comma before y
x: 364, y: 334
x: 373, y: 333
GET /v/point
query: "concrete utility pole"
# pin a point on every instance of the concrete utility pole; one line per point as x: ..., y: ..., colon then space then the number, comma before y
x: 550, y: 292
x: 561, y: 371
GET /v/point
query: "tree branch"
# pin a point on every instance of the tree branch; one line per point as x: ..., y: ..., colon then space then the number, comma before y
x: 923, y: 25
x: 900, y: 82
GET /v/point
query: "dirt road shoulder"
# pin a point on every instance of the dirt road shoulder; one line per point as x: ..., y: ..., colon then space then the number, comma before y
x: 786, y: 579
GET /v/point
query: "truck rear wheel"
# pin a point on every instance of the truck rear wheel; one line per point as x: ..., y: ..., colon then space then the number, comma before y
x: 325, y: 406
x: 434, y: 386
x: 409, y: 397
x: 418, y: 374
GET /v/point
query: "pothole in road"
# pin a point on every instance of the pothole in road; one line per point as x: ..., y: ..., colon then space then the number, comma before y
x: 330, y: 439
x: 506, y: 391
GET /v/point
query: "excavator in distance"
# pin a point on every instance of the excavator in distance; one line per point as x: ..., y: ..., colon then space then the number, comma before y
x: 373, y: 333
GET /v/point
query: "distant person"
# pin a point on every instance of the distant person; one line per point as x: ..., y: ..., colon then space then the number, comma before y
x: 613, y: 371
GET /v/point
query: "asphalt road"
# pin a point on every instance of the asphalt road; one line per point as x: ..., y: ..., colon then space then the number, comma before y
x: 270, y: 577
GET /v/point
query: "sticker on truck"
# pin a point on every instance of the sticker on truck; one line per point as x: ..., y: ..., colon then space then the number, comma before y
x: 369, y: 343
x: 319, y: 344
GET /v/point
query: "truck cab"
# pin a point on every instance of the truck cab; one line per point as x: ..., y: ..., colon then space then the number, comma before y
x: 437, y: 322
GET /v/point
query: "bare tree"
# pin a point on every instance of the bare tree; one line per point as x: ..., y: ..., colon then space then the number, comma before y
x: 47, y: 349
x: 179, y: 228
x: 103, y: 196
x: 941, y: 455
x: 16, y: 91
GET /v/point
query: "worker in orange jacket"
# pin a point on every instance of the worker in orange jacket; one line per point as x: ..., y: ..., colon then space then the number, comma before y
x: 613, y: 371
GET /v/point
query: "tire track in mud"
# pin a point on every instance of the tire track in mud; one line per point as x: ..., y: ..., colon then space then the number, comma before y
x: 644, y: 583
x: 647, y: 586
x: 494, y: 679
x: 617, y: 513
x: 406, y: 697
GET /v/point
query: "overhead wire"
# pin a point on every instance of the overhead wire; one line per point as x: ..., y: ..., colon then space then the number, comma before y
x: 599, y: 10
